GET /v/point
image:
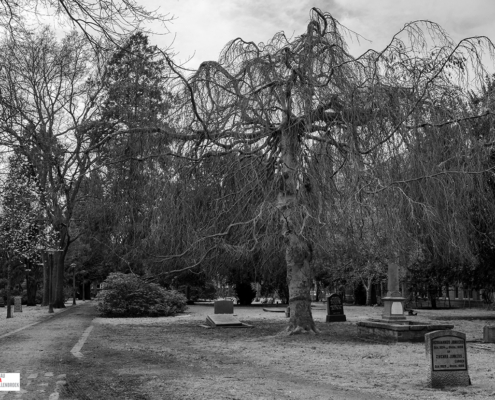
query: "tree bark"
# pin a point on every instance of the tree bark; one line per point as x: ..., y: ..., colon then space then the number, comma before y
x: 368, y: 290
x: 300, y: 282
x: 58, y: 277
x: 297, y: 249
x: 433, y: 296
x: 9, y: 306
x: 31, y: 286
x: 46, y: 280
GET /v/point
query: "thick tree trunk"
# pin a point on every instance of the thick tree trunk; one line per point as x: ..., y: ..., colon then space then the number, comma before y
x: 9, y: 306
x: 368, y: 290
x: 432, y: 292
x: 300, y: 280
x: 59, y: 296
x: 31, y: 288
x: 46, y: 280
x: 297, y: 250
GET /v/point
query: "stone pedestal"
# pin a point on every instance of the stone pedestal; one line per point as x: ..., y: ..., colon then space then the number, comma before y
x: 393, y: 308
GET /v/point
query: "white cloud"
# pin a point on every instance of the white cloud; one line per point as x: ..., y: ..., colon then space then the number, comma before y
x: 203, y: 27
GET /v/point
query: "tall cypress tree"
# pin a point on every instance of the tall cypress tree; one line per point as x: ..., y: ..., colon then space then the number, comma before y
x: 136, y: 102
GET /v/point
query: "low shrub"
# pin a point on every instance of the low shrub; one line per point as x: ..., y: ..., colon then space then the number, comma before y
x: 126, y: 295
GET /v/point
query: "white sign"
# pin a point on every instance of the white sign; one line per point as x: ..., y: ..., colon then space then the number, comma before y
x: 10, y: 382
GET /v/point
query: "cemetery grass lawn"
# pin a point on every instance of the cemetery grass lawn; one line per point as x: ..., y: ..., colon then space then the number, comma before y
x: 29, y: 315
x: 175, y: 358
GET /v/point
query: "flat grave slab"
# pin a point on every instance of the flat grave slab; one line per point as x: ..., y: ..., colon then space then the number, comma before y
x: 224, y: 321
x: 278, y: 309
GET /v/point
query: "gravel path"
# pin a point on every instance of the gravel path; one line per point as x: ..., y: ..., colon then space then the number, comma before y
x: 39, y: 352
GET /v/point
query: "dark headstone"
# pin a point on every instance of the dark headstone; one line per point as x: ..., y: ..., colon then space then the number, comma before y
x: 335, y: 309
x: 18, y: 304
x: 447, y: 356
x: 489, y: 334
x: 2, y: 302
x: 223, y: 307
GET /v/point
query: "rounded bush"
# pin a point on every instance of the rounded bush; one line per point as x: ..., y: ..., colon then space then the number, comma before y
x: 126, y: 295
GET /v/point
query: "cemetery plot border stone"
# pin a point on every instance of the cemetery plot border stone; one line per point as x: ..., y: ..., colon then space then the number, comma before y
x: 399, y: 331
x: 280, y: 310
x: 17, y: 304
x: 223, y: 307
x: 447, y: 359
x: 335, y: 309
x: 224, y: 321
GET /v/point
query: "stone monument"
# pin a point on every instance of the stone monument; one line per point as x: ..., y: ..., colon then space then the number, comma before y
x: 18, y: 304
x: 447, y: 359
x: 394, y: 326
x: 223, y: 307
x: 2, y: 302
x: 335, y: 309
x: 393, y: 303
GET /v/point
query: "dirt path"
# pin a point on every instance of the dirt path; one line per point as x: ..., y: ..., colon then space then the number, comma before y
x: 41, y: 352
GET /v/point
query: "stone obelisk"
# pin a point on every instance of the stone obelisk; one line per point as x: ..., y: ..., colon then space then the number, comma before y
x: 393, y: 303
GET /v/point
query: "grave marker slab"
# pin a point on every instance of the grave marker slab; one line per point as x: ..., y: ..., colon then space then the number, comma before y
x: 447, y: 358
x: 2, y: 302
x: 224, y: 321
x: 335, y: 309
x: 279, y: 310
x: 17, y: 304
x: 223, y: 307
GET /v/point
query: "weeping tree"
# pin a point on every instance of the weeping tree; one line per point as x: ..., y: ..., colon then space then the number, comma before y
x: 304, y: 109
x: 482, y: 211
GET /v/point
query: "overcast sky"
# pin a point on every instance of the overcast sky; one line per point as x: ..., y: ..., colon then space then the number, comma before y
x: 202, y: 27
